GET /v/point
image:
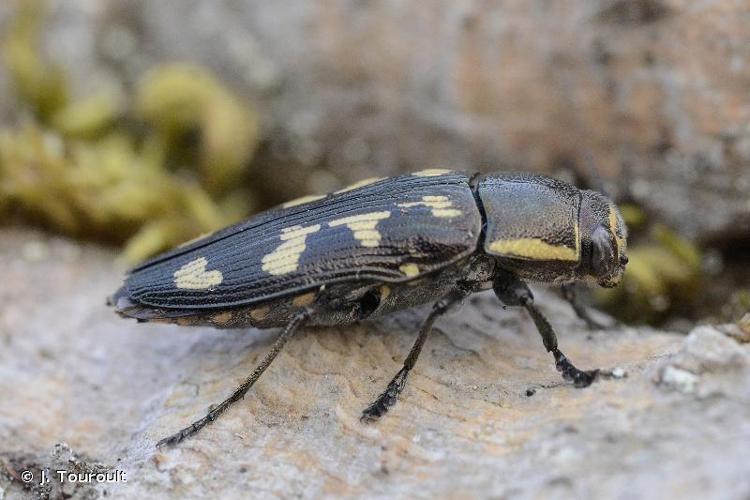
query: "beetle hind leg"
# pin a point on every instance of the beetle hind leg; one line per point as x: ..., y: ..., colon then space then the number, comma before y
x: 514, y: 292
x: 388, y: 398
x: 289, y: 330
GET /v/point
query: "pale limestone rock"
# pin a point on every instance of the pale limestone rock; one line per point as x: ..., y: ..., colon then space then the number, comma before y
x: 71, y: 371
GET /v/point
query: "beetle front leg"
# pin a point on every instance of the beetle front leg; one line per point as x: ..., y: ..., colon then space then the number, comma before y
x: 388, y: 398
x: 513, y: 292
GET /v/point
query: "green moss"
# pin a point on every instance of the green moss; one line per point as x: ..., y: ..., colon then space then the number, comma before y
x: 149, y: 171
x: 736, y: 306
x: 634, y: 216
x: 182, y: 99
x: 662, y: 277
x: 104, y: 189
x: 40, y: 84
x: 88, y: 118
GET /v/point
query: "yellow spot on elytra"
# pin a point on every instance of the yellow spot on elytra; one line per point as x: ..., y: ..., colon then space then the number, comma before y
x: 301, y: 201
x: 193, y: 276
x: 440, y: 205
x: 533, y: 248
x: 409, y: 270
x: 385, y: 291
x: 432, y: 172
x: 304, y: 300
x: 222, y: 318
x: 364, y: 226
x: 359, y: 184
x: 285, y: 258
x: 260, y: 313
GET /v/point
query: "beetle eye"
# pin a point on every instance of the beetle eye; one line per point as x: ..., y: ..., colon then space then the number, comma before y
x: 602, y: 252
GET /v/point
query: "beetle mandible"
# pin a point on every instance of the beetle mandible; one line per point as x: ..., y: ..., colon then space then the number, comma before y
x: 382, y: 245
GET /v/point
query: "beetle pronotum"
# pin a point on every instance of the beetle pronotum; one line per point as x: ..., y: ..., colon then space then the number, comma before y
x: 434, y: 236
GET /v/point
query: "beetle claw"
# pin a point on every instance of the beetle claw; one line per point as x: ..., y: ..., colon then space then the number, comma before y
x: 580, y: 378
x: 372, y: 413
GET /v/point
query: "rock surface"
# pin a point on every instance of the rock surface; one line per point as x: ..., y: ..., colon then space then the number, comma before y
x: 653, y: 91
x: 484, y: 414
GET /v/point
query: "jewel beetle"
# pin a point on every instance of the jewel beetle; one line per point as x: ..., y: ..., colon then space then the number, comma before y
x: 382, y: 245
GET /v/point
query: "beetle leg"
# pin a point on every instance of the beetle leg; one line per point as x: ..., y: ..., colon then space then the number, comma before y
x: 514, y: 292
x: 570, y: 294
x: 289, y: 330
x: 388, y: 398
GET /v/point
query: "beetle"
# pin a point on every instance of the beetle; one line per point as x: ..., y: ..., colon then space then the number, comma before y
x: 382, y: 245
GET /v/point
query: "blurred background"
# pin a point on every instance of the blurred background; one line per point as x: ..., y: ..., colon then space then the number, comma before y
x: 143, y: 124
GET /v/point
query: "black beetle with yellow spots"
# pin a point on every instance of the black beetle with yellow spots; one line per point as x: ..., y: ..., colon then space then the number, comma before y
x: 382, y: 245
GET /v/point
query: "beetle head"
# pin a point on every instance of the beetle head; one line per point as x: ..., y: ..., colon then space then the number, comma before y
x: 603, y: 240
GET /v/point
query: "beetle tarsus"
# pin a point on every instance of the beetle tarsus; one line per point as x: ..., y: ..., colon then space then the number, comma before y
x: 388, y: 398
x: 580, y: 378
x: 289, y: 330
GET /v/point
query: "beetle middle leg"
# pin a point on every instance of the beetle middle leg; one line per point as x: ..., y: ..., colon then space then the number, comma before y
x: 289, y: 330
x: 513, y: 292
x: 388, y: 398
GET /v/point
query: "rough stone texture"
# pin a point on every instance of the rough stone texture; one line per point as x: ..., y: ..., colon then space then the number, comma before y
x: 71, y: 372
x: 654, y: 91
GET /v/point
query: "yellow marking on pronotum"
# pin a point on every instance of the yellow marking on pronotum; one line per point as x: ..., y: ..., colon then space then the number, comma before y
x: 193, y: 276
x: 613, y: 221
x: 440, y: 205
x: 260, y: 313
x: 385, y: 291
x: 301, y: 201
x: 285, y: 258
x: 364, y: 226
x: 304, y: 300
x: 359, y: 184
x: 533, y: 248
x: 432, y: 172
x: 410, y: 270
x: 613, y: 227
